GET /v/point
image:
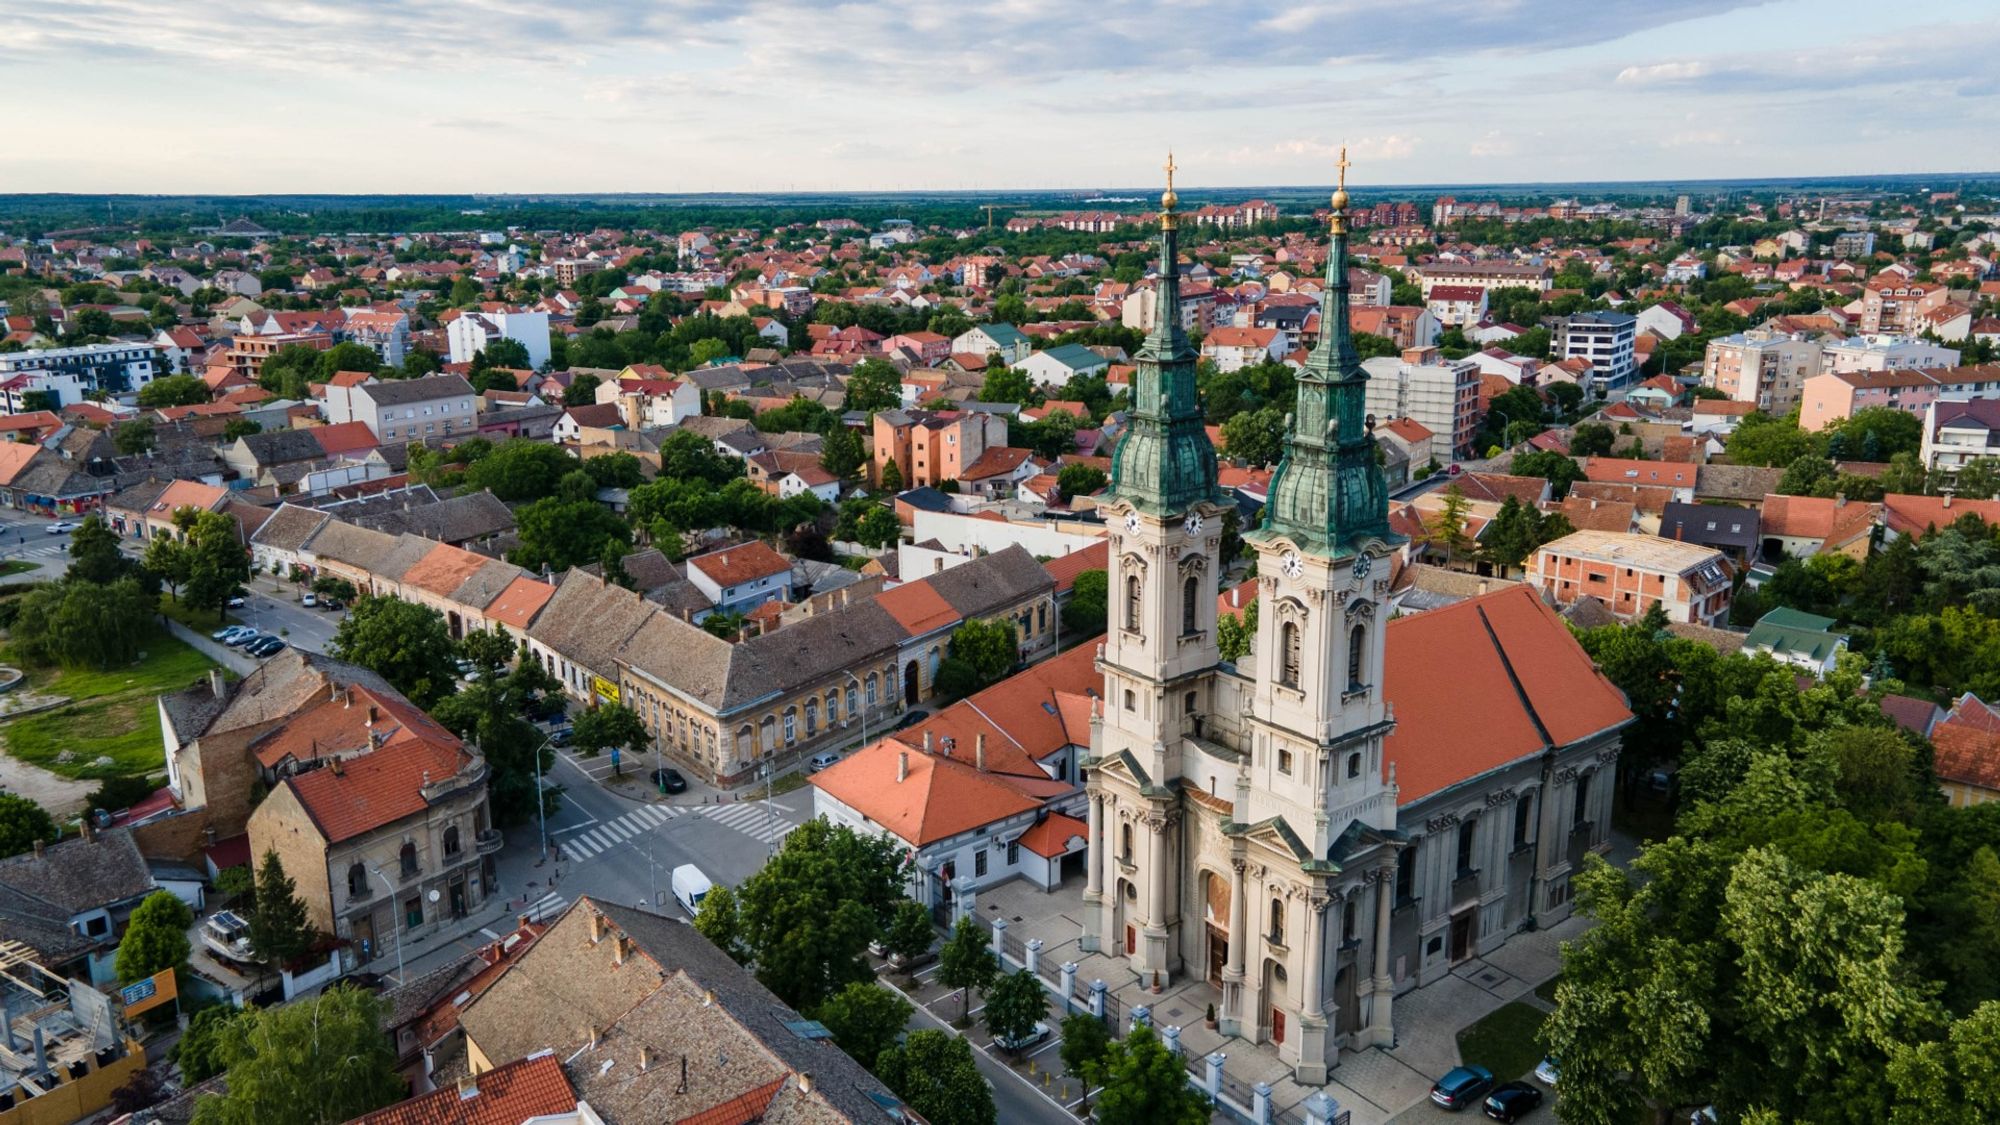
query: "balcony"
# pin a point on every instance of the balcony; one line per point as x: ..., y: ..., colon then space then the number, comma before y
x: 488, y: 841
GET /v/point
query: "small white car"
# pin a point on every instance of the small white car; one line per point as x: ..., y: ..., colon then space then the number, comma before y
x: 1039, y: 1033
x: 61, y: 527
x: 309, y: 600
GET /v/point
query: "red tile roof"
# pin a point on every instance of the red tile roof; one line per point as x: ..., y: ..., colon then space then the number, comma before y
x: 917, y: 607
x: 937, y: 798
x: 361, y: 794
x: 1520, y: 683
x: 506, y: 1095
x: 1967, y: 755
x: 747, y: 562
x: 1050, y: 838
x: 1914, y: 515
x: 1620, y: 470
x: 520, y: 601
x: 344, y: 437
x: 1065, y: 569
x: 444, y: 569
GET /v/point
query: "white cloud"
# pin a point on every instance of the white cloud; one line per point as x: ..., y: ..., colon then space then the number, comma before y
x: 1662, y: 72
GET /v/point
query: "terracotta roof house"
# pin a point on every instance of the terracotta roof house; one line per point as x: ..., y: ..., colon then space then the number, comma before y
x: 1798, y: 526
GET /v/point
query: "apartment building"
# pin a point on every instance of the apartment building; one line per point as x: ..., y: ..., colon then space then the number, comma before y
x: 1439, y: 394
x: 1486, y: 275
x: 1632, y: 573
x: 1957, y: 433
x: 1236, y: 348
x: 1854, y: 244
x: 1456, y: 304
x: 1831, y: 397
x: 395, y: 410
x: 929, y: 447
x: 1768, y: 369
x: 1892, y: 303
x: 1605, y: 340
x: 113, y: 369
x: 1884, y: 353
x: 469, y: 333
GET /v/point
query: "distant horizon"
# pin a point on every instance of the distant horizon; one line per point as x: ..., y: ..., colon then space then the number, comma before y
x: 460, y: 97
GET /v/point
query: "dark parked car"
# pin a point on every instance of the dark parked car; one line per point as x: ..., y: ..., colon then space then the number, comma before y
x: 1462, y: 1086
x: 269, y: 646
x: 670, y: 780
x: 1512, y: 1100
x: 912, y: 719
x: 560, y: 736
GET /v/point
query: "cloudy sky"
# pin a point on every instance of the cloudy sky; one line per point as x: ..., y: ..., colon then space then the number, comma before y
x: 720, y: 95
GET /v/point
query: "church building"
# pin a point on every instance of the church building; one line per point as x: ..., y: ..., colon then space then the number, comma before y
x: 1359, y: 805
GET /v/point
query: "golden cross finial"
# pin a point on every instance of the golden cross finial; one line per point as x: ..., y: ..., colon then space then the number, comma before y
x: 1170, y: 169
x: 1343, y: 166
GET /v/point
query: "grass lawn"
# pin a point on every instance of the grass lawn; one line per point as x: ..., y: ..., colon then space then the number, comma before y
x: 1504, y: 1042
x: 18, y: 566
x: 114, y: 713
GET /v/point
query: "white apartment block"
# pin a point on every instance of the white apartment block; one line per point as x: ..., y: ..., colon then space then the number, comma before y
x: 1766, y: 368
x: 1959, y: 432
x: 1439, y: 394
x: 1884, y: 353
x: 429, y: 409
x: 471, y: 332
x: 115, y: 369
x: 1605, y: 340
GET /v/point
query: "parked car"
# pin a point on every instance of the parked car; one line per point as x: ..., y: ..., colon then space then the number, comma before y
x: 225, y: 632
x: 269, y: 646
x: 309, y: 601
x: 1462, y: 1086
x: 238, y: 602
x: 332, y: 604
x: 561, y: 736
x: 1035, y: 1035
x: 912, y: 719
x: 61, y: 527
x: 246, y: 637
x: 1512, y: 1100
x: 1547, y: 1071
x: 822, y: 761
x: 670, y: 780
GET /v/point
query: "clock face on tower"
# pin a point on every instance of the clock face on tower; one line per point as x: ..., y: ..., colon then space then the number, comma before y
x: 1292, y: 564
x: 1132, y: 523
x: 1193, y: 524
x: 1362, y: 564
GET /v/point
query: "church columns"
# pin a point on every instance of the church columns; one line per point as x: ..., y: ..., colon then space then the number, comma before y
x: 1231, y: 1022
x: 1153, y: 952
x: 1312, y: 1066
x: 1381, y: 1032
x: 1093, y: 864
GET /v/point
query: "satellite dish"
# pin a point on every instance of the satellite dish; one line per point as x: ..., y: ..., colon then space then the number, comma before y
x: 434, y: 895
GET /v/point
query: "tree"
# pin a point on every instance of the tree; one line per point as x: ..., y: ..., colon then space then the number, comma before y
x: 1446, y: 531
x: 280, y: 932
x: 615, y: 470
x: 933, y: 1071
x: 842, y: 453
x: 892, y: 476
x: 155, y: 939
x: 1254, y: 438
x: 1007, y: 384
x: 1084, y: 1041
x: 94, y: 554
x: 1591, y: 439
x: 873, y: 385
x: 174, y: 390
x: 521, y: 469
x: 990, y: 647
x: 503, y: 352
x: 217, y: 563
x: 610, y: 726
x: 168, y: 560
x: 558, y: 534
x: 1145, y: 1084
x: 22, y: 823
x: 332, y: 586
x: 1085, y: 614
x: 1513, y: 535
x: 965, y: 962
x: 804, y: 921
x: 866, y: 1019
x: 1236, y: 633
x: 1079, y: 479
x: 1559, y: 470
x: 878, y: 526
x: 1014, y: 1005
x: 134, y: 437
x: 79, y: 624
x: 909, y: 934
x: 405, y: 643
x: 1808, y: 475
x: 212, y: 1033
x: 319, y: 1061
x: 237, y: 428
x: 1760, y: 439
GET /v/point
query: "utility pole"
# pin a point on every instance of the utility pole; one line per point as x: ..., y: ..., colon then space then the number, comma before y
x: 989, y: 217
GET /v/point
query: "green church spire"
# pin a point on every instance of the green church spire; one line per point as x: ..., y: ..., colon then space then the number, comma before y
x: 1164, y: 463
x: 1328, y: 495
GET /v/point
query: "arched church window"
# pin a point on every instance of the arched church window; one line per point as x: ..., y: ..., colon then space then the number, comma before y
x: 1191, y: 604
x: 1132, y: 602
x: 1277, y: 922
x: 1357, y: 647
x: 1289, y: 654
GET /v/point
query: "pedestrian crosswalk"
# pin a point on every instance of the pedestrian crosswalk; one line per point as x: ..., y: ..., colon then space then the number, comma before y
x: 546, y: 907
x: 752, y: 818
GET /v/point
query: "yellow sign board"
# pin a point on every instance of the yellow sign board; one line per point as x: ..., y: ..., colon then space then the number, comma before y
x: 605, y: 689
x: 145, y: 995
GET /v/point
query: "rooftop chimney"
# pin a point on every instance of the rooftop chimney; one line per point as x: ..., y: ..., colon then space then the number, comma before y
x: 468, y: 1086
x: 597, y: 928
x: 645, y: 1059
x: 596, y: 1035
x: 979, y: 751
x: 927, y: 742
x: 520, y: 921
x: 708, y: 998
x: 805, y: 1082
x: 215, y: 682
x: 1482, y: 585
x: 89, y: 827
x: 902, y: 769
x: 41, y: 848
x: 373, y: 714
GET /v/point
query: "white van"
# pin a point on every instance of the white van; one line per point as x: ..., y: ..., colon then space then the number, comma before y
x: 690, y: 887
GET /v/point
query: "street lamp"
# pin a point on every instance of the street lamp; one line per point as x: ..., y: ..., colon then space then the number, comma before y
x: 542, y: 798
x: 377, y: 872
